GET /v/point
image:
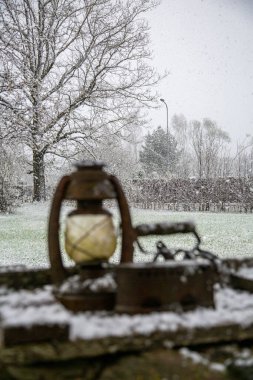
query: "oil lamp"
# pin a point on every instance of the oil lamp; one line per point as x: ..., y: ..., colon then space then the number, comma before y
x: 90, y: 238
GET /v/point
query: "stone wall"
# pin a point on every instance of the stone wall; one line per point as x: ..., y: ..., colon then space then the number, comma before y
x: 47, y: 352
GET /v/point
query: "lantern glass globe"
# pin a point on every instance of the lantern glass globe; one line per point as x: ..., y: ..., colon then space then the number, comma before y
x: 90, y: 237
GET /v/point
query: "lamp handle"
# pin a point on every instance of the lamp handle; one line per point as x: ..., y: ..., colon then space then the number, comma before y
x: 58, y: 271
x: 128, y: 233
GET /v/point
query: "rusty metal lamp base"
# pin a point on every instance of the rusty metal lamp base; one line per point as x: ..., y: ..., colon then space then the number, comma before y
x: 87, y: 301
x: 93, y: 288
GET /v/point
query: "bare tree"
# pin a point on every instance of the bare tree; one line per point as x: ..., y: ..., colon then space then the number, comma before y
x: 215, y: 141
x: 242, y: 162
x: 70, y: 68
x: 197, y: 141
x: 208, y: 141
x: 10, y: 176
x: 181, y: 133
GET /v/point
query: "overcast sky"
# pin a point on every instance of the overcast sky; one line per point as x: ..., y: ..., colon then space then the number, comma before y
x: 207, y: 46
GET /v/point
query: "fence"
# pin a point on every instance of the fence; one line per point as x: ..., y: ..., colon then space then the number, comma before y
x: 212, y: 207
x: 215, y: 195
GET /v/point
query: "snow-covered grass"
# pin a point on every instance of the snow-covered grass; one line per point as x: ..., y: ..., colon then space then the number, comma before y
x: 225, y: 234
x: 23, y: 234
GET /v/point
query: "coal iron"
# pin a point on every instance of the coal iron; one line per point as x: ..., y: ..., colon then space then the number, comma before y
x: 172, y: 285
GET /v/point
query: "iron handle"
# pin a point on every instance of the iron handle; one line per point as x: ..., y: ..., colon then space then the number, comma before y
x: 169, y: 229
x: 165, y: 228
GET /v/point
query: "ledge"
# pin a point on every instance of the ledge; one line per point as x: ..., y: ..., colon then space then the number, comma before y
x: 39, y: 339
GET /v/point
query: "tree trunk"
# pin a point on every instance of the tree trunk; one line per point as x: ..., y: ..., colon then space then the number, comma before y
x: 39, y: 192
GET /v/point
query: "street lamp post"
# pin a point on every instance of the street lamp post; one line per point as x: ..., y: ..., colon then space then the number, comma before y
x: 167, y: 129
x: 167, y: 116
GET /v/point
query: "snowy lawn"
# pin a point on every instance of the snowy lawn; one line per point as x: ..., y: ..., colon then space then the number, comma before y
x: 23, y: 234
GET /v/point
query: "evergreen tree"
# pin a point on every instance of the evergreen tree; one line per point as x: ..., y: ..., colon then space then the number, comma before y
x: 159, y: 153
